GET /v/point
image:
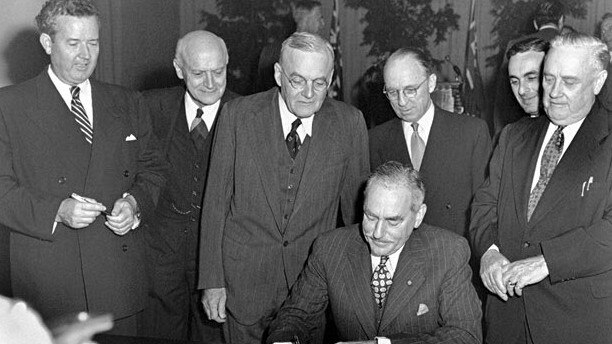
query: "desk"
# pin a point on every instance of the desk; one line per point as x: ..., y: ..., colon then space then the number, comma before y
x: 111, y: 339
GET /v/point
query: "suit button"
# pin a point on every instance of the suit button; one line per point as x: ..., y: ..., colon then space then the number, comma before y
x: 286, y: 243
x: 409, y: 282
x: 61, y: 180
x: 526, y: 244
x: 286, y: 216
x: 290, y: 186
x: 124, y: 248
x: 195, y: 178
x: 448, y: 206
x: 126, y: 173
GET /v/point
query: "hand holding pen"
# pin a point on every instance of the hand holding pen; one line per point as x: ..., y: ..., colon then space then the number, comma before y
x: 78, y: 211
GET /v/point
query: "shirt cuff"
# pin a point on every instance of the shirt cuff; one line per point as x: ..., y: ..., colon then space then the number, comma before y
x: 382, y: 340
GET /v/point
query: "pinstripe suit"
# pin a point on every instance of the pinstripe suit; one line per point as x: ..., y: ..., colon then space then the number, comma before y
x: 247, y: 245
x: 432, y: 270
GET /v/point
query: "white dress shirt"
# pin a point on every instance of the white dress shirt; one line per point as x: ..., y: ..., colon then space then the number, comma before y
x: 287, y: 118
x: 209, y: 112
x: 424, y: 122
x: 84, y: 95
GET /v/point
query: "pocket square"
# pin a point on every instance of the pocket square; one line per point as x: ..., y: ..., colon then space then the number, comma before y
x: 422, y: 309
x: 131, y: 138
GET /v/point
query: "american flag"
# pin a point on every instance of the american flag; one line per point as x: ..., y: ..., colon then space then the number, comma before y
x: 335, y: 89
x: 473, y: 90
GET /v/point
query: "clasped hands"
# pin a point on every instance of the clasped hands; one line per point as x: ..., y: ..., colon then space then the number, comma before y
x: 505, y: 278
x: 80, y: 214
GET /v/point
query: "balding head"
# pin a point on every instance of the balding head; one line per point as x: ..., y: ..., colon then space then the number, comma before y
x: 201, y: 60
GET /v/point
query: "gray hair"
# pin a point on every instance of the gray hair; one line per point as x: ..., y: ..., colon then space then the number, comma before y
x: 599, y: 54
x: 307, y: 42
x: 393, y: 174
x: 46, y: 18
x: 199, y: 39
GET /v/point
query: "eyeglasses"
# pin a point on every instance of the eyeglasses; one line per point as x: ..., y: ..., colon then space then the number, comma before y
x: 299, y: 83
x: 406, y: 91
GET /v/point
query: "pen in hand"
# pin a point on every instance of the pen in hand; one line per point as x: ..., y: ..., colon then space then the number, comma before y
x: 86, y: 200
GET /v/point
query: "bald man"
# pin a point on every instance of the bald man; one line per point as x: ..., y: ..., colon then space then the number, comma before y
x: 184, y: 119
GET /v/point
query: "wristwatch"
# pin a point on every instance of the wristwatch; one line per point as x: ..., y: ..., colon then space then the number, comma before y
x: 382, y: 340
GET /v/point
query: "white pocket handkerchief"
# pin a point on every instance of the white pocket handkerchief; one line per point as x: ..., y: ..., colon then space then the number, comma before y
x: 131, y: 138
x: 422, y: 309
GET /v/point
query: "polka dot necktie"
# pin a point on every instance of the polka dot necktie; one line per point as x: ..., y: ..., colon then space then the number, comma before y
x: 381, y: 281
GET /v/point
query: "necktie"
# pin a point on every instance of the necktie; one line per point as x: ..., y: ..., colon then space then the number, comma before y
x: 198, y: 128
x: 550, y: 157
x: 417, y: 146
x: 293, y: 139
x: 381, y: 281
x: 80, y: 116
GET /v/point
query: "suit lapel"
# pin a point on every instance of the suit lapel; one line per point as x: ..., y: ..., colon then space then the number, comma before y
x: 524, y: 159
x: 267, y: 130
x: 573, y: 164
x: 54, y: 119
x: 397, y: 149
x: 324, y: 125
x: 439, y: 134
x: 407, y: 279
x: 357, y: 283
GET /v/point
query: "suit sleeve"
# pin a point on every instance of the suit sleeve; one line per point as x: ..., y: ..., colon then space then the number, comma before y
x: 483, y: 224
x: 459, y: 307
x: 306, y: 305
x: 219, y: 187
x: 357, y: 170
x: 22, y: 209
x: 151, y: 163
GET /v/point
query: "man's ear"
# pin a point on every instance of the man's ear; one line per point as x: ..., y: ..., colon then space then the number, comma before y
x: 420, y: 214
x: 433, y: 80
x: 46, y: 42
x: 277, y: 73
x: 599, y: 81
x: 177, y: 69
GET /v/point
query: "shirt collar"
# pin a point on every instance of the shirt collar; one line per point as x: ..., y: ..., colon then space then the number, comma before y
x: 64, y: 89
x: 287, y: 119
x: 209, y: 111
x: 424, y: 122
x: 391, y: 263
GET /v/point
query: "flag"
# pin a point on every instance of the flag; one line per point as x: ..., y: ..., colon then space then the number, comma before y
x: 473, y: 89
x: 335, y: 89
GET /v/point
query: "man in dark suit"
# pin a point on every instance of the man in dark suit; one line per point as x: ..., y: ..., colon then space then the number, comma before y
x: 184, y: 119
x: 450, y: 151
x: 392, y: 278
x: 541, y: 222
x: 282, y: 164
x: 63, y: 134
x: 525, y: 60
x: 548, y: 22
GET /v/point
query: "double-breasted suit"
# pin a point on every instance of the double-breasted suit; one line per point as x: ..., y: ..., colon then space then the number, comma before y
x: 431, y: 298
x: 570, y: 226
x: 259, y: 219
x: 45, y: 158
x: 453, y: 166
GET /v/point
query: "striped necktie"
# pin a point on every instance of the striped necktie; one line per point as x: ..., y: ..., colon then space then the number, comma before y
x: 80, y: 116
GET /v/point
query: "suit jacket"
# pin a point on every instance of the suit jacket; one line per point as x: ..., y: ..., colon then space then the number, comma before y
x: 453, y: 165
x: 431, y: 299
x: 243, y: 246
x: 44, y: 159
x: 570, y: 226
x: 506, y: 108
x: 177, y: 207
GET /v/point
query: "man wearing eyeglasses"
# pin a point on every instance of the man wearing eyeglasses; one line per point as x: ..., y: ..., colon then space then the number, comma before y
x: 449, y: 150
x: 283, y: 163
